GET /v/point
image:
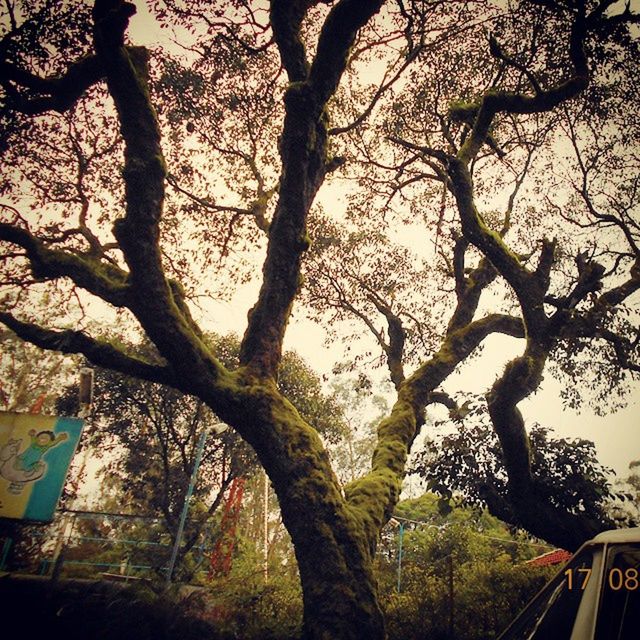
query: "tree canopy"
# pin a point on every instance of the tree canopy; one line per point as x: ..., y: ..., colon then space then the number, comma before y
x: 488, y: 153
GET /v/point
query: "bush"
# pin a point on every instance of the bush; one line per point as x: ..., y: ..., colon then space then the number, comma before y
x: 78, y: 609
x: 449, y: 577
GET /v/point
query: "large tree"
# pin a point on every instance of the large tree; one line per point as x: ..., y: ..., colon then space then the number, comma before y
x: 264, y: 103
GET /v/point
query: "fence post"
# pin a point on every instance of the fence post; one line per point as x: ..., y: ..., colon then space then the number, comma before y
x: 185, y: 507
x: 5, y: 552
x: 400, y: 537
x: 67, y: 525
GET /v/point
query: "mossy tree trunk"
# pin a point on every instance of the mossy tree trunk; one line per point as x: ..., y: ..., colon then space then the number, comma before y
x: 333, y: 552
x: 334, y: 541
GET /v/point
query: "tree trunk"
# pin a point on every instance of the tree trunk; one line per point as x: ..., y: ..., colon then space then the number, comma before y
x: 336, y: 567
x: 346, y: 608
x: 334, y: 539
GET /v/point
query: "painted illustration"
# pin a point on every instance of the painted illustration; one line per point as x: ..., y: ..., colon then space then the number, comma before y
x: 28, y: 466
x: 35, y: 453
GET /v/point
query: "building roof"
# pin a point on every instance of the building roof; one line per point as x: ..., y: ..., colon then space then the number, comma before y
x: 557, y: 556
x: 615, y: 536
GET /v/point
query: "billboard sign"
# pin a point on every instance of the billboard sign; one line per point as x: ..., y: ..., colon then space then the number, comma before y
x: 35, y: 453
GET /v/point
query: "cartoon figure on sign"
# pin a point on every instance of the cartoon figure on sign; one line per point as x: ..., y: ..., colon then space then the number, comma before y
x: 28, y: 466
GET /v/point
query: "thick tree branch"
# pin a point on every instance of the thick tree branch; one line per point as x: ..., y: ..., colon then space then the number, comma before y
x: 592, y: 323
x: 529, y: 287
x: 443, y: 398
x: 286, y: 19
x: 100, y: 278
x: 144, y: 171
x: 468, y: 288
x: 590, y: 275
x: 619, y: 294
x: 496, y: 102
x: 476, y: 230
x: 336, y: 39
x: 58, y: 93
x: 100, y: 353
x: 397, y: 432
x: 522, y: 376
x: 530, y: 503
x: 456, y: 347
x: 303, y: 152
x: 483, y: 112
x: 622, y: 347
x: 158, y: 304
x: 459, y: 253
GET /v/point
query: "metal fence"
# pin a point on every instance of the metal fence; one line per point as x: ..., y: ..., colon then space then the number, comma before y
x: 95, y: 545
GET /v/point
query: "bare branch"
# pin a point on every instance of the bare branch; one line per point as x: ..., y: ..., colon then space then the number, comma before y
x: 256, y: 211
x: 397, y: 335
x: 100, y: 353
x: 103, y: 279
x: 380, y: 91
x: 506, y: 102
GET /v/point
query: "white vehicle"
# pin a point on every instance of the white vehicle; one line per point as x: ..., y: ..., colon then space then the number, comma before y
x: 595, y: 596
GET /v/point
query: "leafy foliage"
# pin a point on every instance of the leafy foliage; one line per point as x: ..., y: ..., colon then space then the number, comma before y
x: 468, y: 463
x: 456, y: 568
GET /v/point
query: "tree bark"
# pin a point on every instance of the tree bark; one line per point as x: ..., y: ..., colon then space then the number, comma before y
x: 335, y: 563
x: 333, y: 537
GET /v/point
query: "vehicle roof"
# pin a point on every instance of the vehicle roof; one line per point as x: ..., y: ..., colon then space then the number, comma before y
x: 619, y: 535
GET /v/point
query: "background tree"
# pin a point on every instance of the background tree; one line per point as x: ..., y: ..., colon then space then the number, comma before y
x: 31, y: 379
x: 627, y: 507
x: 363, y: 409
x: 484, y: 108
x: 457, y: 567
x: 146, y: 435
x: 468, y: 463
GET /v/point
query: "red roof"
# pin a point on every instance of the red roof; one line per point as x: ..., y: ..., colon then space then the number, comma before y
x: 558, y: 556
